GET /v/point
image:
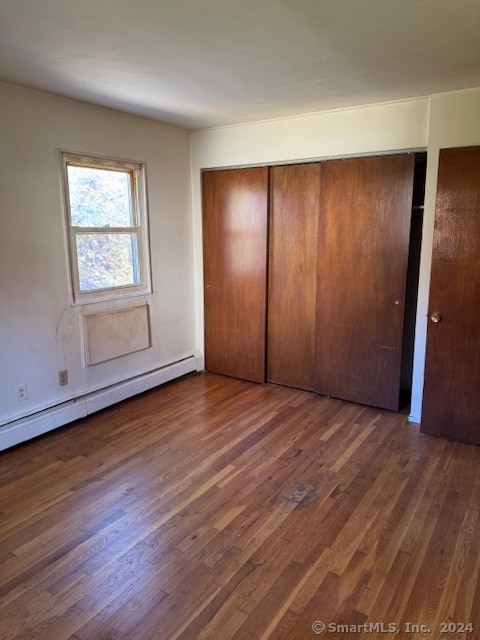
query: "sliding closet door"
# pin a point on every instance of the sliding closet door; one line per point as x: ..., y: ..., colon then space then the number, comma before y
x: 294, y: 208
x: 362, y: 263
x: 235, y: 215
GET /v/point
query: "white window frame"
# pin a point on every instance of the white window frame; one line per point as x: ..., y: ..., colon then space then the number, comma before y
x: 137, y: 171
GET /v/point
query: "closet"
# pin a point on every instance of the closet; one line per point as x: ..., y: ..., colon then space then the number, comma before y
x: 363, y: 241
x: 235, y: 205
x: 292, y: 281
x: 327, y: 315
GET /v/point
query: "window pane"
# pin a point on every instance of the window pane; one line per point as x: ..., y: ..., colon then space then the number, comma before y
x: 106, y: 260
x: 99, y: 197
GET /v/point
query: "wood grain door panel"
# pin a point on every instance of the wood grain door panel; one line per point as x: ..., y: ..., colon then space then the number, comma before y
x: 451, y: 399
x: 235, y: 220
x: 363, y: 241
x: 294, y: 211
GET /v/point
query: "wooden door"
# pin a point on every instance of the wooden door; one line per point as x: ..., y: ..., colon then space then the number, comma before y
x: 294, y: 210
x: 363, y: 233
x: 451, y: 398
x: 235, y: 217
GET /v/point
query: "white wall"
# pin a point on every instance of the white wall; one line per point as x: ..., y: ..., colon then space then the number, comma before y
x: 40, y: 332
x: 383, y: 128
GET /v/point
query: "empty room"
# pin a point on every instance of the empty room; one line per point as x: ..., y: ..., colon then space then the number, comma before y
x: 239, y: 319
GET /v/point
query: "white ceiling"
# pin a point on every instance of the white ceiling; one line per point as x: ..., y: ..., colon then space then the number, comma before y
x: 203, y: 63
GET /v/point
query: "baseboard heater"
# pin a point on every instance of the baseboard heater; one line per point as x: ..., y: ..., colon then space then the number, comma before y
x: 36, y: 424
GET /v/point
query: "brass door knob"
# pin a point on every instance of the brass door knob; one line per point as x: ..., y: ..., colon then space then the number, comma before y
x: 435, y: 317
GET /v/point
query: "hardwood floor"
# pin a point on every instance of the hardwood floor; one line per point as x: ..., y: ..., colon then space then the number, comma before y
x: 214, y: 508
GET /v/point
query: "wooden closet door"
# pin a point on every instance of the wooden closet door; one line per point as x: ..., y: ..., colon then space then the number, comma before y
x: 362, y: 264
x: 235, y: 216
x: 294, y: 209
x: 451, y: 399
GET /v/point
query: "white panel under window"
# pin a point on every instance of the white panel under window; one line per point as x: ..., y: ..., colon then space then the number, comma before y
x: 115, y: 333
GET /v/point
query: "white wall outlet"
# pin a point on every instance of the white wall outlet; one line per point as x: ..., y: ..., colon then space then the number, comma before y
x: 21, y: 392
x: 63, y: 377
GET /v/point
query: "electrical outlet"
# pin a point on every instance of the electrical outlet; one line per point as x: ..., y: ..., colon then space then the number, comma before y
x: 63, y: 377
x: 21, y: 392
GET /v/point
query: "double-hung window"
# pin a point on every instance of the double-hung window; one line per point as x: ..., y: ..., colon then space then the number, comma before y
x: 107, y: 227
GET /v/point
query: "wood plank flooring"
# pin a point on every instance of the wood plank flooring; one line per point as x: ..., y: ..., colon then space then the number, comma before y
x: 212, y: 508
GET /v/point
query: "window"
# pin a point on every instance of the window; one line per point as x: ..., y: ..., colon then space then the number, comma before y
x: 107, y: 225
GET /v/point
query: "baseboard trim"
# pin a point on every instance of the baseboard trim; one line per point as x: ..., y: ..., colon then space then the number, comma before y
x: 29, y: 427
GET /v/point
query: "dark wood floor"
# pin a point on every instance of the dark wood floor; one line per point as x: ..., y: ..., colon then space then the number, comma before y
x: 214, y: 508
